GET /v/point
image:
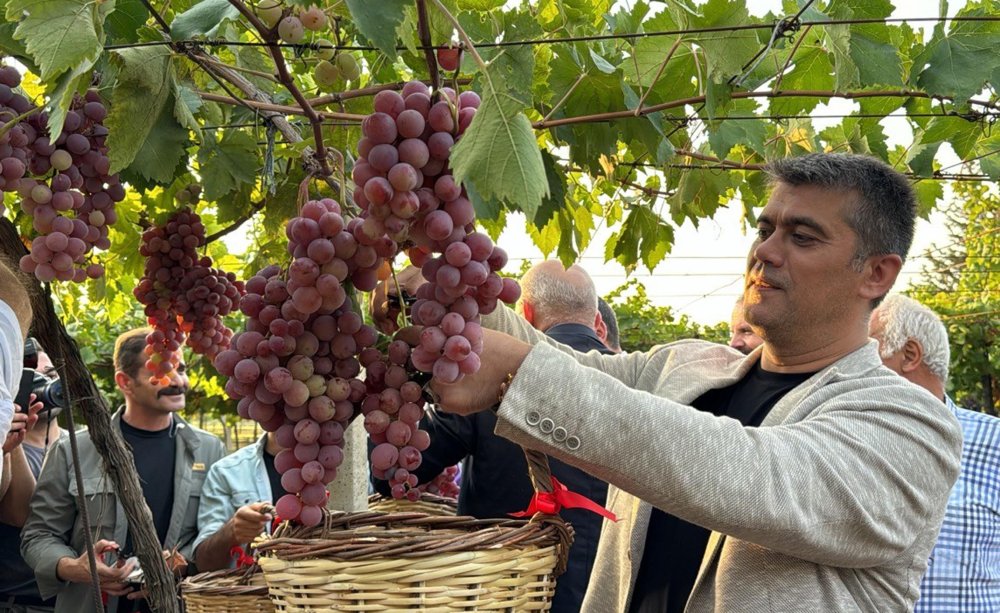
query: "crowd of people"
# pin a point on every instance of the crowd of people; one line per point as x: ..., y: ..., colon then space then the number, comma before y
x: 815, y: 464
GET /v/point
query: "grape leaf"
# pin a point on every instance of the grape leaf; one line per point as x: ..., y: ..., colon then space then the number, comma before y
x: 377, y: 21
x: 727, y: 133
x: 517, y: 65
x: 228, y: 163
x: 958, y: 62
x: 812, y: 70
x: 123, y: 24
x: 725, y: 52
x: 643, y: 236
x: 928, y: 194
x: 60, y: 34
x: 498, y: 152
x: 203, y: 19
x: 69, y: 84
x: 557, y: 191
x: 875, y: 56
x: 15, y: 48
x: 186, y: 104
x: 141, y: 92
x: 162, y: 155
x: 486, y: 208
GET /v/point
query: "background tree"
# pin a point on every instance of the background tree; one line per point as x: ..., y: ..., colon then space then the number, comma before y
x: 962, y: 284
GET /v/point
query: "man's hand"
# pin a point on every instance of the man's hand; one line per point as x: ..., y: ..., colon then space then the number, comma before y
x: 21, y: 423
x: 384, y: 311
x: 502, y: 355
x: 112, y: 578
x: 248, y: 522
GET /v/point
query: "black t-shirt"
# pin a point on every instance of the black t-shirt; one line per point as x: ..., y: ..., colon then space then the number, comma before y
x: 674, y: 547
x: 277, y: 491
x: 154, y: 461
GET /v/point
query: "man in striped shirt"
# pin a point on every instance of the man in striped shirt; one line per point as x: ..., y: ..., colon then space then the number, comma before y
x: 963, y: 574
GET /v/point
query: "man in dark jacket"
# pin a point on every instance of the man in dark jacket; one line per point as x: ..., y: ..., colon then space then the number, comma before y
x: 562, y: 303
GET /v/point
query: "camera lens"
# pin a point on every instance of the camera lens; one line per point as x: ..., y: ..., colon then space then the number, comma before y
x: 52, y: 395
x: 48, y: 391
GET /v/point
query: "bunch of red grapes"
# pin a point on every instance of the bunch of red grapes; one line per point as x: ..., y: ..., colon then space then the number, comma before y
x: 185, y: 298
x: 64, y: 183
x: 296, y: 368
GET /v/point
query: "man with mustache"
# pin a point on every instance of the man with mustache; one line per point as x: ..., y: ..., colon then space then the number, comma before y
x: 172, y: 458
x: 804, y: 477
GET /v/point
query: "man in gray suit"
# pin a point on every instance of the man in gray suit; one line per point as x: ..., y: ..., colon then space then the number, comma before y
x: 803, y: 477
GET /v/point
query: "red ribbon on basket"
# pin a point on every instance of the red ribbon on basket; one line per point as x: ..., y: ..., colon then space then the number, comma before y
x: 242, y: 559
x: 562, y: 498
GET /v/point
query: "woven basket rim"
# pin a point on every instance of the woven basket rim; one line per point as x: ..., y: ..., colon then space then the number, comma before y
x: 428, y: 498
x: 372, y: 534
x: 225, y: 582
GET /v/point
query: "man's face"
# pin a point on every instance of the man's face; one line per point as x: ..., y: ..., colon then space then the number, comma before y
x: 743, y: 338
x: 155, y: 398
x: 801, y: 283
x: 45, y: 365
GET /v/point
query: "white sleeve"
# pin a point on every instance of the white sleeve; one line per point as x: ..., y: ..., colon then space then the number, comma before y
x: 11, y: 362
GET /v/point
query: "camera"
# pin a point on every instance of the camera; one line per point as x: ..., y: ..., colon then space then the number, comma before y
x: 47, y: 390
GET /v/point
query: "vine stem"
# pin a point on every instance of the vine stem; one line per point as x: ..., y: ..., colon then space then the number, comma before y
x: 278, y: 108
x: 659, y: 73
x: 270, y: 37
x: 424, y: 30
x: 13, y: 122
x: 902, y: 93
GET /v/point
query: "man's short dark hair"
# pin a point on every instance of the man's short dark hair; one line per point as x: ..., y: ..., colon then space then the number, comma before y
x: 610, y: 321
x: 129, y: 347
x: 884, y: 214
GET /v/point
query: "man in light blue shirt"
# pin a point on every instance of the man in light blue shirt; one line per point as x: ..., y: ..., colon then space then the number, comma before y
x: 963, y: 574
x: 237, y: 491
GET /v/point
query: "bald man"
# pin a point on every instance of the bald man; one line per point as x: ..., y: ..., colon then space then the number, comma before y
x: 742, y: 337
x: 563, y: 304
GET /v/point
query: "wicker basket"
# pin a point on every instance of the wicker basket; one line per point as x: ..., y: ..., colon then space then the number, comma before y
x: 412, y: 561
x: 429, y: 504
x: 239, y: 590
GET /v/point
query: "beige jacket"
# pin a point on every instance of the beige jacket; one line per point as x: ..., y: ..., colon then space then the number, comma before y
x: 833, y: 504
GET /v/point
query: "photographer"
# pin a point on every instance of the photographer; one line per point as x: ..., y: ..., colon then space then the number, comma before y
x: 18, y: 589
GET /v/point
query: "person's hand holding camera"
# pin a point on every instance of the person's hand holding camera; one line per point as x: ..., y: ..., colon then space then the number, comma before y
x: 22, y: 422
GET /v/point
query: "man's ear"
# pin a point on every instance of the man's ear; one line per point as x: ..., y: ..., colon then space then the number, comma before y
x: 913, y: 356
x: 601, y: 328
x: 880, y: 274
x: 528, y: 310
x: 123, y: 381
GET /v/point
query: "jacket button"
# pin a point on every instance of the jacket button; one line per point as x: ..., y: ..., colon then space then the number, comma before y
x: 559, y: 434
x: 533, y: 418
x: 573, y: 443
x: 546, y: 425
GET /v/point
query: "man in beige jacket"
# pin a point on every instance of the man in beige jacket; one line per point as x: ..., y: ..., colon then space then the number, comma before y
x: 833, y: 503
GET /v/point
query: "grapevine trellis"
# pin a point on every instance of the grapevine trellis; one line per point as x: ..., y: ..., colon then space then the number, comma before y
x: 589, y: 115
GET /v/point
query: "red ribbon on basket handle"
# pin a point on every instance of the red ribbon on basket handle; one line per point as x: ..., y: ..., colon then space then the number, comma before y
x: 240, y: 555
x: 562, y: 498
